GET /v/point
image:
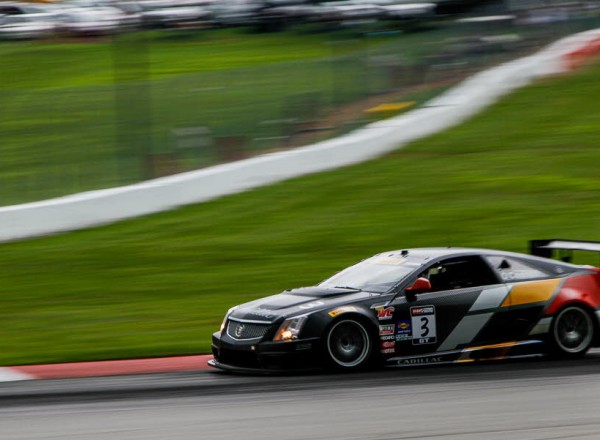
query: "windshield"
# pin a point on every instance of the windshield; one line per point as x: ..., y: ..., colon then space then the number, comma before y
x: 377, y: 274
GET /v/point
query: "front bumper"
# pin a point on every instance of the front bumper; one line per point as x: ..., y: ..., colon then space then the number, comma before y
x: 265, y: 356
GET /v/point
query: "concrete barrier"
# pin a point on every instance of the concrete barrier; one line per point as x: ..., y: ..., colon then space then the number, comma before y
x: 95, y: 208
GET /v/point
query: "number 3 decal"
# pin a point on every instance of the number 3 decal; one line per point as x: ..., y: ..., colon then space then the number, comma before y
x: 424, y: 328
x: 423, y: 324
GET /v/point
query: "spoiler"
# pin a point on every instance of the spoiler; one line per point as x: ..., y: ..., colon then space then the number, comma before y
x: 546, y: 248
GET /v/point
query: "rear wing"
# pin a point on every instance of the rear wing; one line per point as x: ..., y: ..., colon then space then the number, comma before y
x: 565, y: 248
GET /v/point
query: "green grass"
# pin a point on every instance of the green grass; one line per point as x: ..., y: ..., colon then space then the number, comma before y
x: 69, y: 63
x: 527, y: 168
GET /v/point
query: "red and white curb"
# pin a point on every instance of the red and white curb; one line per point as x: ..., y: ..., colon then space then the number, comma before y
x: 583, y: 51
x: 105, y: 368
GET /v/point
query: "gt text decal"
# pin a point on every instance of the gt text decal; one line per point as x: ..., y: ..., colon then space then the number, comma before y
x: 385, y: 313
x: 423, y: 325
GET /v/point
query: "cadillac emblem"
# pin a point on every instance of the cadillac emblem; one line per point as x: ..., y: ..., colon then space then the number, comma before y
x: 239, y: 331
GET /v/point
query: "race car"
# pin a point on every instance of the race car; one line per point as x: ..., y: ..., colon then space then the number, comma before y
x: 422, y: 306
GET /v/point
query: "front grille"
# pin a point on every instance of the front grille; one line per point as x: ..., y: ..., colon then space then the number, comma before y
x: 246, y: 330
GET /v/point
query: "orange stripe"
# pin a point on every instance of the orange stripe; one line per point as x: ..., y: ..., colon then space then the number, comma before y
x: 532, y: 292
x: 486, y: 347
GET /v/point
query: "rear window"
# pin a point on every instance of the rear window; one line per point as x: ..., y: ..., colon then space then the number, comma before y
x: 510, y: 269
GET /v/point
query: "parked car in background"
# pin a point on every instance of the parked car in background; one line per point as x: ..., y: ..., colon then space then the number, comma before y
x: 408, y: 11
x: 26, y: 26
x: 236, y: 12
x: 90, y: 21
x: 169, y: 13
x: 19, y: 8
x: 127, y: 12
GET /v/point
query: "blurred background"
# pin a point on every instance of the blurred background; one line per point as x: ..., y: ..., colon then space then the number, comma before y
x: 102, y: 93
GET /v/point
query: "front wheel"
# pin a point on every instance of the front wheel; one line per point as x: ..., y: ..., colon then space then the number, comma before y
x: 348, y: 345
x: 572, y: 332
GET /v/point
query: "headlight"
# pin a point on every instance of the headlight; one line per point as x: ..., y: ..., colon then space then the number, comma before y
x: 289, y: 330
x: 226, y: 317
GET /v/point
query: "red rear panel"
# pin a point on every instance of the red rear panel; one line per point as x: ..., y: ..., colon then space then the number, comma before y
x: 580, y: 288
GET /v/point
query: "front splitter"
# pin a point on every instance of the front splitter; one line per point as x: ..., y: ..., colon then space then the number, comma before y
x: 258, y: 371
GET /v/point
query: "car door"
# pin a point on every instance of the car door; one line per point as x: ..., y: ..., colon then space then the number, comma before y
x: 456, y: 312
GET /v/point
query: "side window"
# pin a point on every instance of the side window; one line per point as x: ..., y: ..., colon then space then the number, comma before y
x: 459, y: 273
x: 511, y: 269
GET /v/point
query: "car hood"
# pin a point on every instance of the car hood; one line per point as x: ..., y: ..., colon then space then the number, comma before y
x: 296, y: 302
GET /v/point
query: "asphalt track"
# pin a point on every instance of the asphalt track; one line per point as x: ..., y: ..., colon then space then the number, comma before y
x: 534, y: 399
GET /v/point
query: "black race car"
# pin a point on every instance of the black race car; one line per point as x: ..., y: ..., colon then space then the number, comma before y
x: 421, y: 306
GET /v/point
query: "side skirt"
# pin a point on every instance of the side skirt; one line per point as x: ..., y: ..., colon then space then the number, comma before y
x: 506, y: 350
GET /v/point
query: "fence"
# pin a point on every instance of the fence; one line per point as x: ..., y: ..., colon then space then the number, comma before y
x: 125, y: 124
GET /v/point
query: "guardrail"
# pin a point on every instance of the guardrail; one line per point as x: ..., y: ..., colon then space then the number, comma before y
x: 453, y: 107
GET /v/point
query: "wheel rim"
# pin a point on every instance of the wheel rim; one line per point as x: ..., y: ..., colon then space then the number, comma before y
x: 573, y: 330
x: 348, y: 343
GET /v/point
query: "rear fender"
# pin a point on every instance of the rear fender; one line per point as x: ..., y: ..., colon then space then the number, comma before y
x: 584, y: 289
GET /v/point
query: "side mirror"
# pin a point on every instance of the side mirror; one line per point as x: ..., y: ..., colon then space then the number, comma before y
x: 419, y: 286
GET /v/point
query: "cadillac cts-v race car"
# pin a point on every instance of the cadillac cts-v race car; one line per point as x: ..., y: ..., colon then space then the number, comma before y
x: 422, y: 306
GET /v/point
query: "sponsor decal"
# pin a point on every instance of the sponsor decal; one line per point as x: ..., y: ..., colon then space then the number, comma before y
x: 403, y: 325
x: 403, y: 330
x: 341, y: 310
x: 388, y: 351
x: 385, y: 313
x: 423, y: 324
x: 387, y: 338
x: 418, y: 361
x: 388, y: 344
x: 418, y: 311
x: 386, y: 329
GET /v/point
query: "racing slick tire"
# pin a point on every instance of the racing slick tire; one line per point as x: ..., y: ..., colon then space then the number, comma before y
x: 348, y: 346
x: 572, y: 333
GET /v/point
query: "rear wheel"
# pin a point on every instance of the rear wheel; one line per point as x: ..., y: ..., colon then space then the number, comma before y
x: 348, y: 345
x: 572, y: 332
